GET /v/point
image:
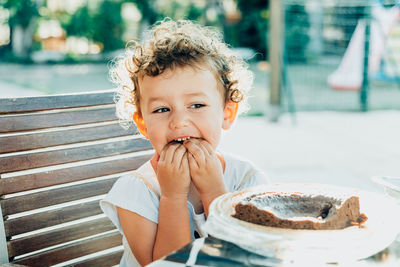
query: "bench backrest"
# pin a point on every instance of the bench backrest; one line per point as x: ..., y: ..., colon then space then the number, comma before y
x: 58, y: 156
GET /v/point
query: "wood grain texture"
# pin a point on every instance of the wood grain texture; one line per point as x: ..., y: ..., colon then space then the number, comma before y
x: 41, y: 120
x: 50, y: 131
x: 37, y: 103
x: 61, y: 137
x: 67, y: 155
x: 55, y: 196
x: 35, y: 242
x: 109, y: 259
x: 72, y: 251
x: 49, y: 218
x: 72, y: 174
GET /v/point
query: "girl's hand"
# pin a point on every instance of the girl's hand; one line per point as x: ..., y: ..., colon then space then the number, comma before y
x: 205, y: 170
x: 173, y: 172
x: 154, y: 161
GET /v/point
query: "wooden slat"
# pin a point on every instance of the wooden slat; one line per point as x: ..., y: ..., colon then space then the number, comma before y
x: 67, y: 175
x: 109, y: 259
x: 44, y: 219
x: 35, y: 242
x: 67, y: 155
x: 55, y: 196
x: 72, y: 251
x: 62, y: 137
x: 24, y: 104
x: 41, y: 120
x: 37, y: 113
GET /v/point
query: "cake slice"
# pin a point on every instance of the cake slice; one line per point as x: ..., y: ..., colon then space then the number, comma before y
x: 300, y: 210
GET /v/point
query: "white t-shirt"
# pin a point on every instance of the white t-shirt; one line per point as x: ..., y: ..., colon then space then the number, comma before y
x: 131, y: 192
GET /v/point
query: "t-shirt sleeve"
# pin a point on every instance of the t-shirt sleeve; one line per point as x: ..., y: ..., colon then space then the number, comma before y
x: 252, y: 177
x: 130, y: 193
x: 259, y: 177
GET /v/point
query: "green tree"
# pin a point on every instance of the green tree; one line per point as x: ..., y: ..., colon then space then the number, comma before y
x: 146, y: 7
x: 108, y: 25
x: 22, y: 22
x: 81, y: 23
x: 102, y: 23
x: 252, y: 29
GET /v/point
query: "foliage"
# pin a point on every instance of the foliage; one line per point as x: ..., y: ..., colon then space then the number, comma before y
x: 296, y: 33
x: 194, y: 12
x: 21, y: 12
x: 81, y: 23
x: 101, y: 20
x: 177, y: 9
x: 146, y: 8
x: 103, y: 24
x: 24, y: 15
x: 252, y: 29
x: 108, y: 25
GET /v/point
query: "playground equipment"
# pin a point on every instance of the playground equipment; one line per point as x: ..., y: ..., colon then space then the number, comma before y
x: 352, y: 71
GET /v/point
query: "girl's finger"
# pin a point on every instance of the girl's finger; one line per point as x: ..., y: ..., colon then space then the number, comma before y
x: 178, y: 155
x: 207, y: 147
x: 169, y: 153
x: 196, y: 151
x: 192, y: 161
x: 185, y: 160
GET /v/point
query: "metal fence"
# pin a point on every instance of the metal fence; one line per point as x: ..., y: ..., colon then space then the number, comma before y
x: 340, y: 55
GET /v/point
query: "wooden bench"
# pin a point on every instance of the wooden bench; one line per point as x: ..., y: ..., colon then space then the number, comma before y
x: 58, y: 156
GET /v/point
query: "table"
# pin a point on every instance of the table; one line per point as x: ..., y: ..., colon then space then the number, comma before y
x: 211, y: 251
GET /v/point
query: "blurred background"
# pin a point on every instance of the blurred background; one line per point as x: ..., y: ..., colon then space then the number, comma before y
x: 55, y: 46
x: 327, y: 70
x: 325, y: 105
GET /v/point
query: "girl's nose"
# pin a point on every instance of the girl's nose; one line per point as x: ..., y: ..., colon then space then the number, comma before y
x: 178, y: 120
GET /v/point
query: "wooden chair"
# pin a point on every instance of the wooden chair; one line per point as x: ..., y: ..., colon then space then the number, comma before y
x: 58, y: 156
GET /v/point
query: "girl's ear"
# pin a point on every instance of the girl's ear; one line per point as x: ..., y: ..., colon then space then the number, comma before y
x: 230, y: 112
x: 140, y: 124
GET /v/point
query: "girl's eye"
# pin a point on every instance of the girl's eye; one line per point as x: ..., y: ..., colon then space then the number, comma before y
x: 161, y: 110
x: 195, y: 106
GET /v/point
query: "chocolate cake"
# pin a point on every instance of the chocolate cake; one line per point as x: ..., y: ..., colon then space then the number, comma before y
x: 300, y: 210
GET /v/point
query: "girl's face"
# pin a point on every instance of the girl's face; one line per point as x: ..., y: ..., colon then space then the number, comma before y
x: 181, y: 103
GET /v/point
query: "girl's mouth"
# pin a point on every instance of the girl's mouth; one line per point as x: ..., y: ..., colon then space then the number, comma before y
x: 180, y: 140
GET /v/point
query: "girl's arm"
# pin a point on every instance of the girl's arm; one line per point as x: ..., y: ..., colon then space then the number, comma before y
x: 173, y: 226
x: 140, y: 234
x: 149, y: 242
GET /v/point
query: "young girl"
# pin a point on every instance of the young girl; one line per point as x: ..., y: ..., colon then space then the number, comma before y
x: 181, y: 87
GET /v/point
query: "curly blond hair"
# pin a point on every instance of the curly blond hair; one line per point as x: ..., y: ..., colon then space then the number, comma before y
x: 175, y: 44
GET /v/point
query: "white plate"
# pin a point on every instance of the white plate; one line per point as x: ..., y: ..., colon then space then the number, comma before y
x: 351, y: 243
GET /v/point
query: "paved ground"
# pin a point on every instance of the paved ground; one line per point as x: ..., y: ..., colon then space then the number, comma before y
x: 53, y: 78
x: 8, y: 89
x: 326, y: 147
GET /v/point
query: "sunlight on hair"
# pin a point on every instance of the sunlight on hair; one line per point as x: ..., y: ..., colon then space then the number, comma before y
x: 171, y: 44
